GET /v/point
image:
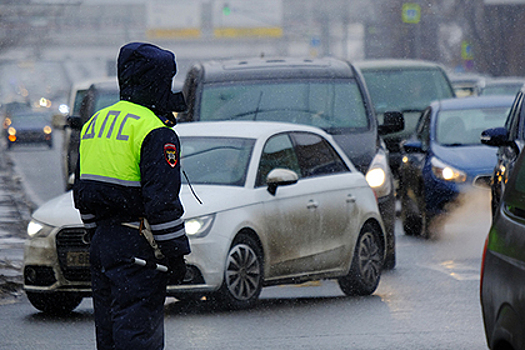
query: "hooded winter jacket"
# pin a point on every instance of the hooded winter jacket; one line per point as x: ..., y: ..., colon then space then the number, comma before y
x: 129, y: 155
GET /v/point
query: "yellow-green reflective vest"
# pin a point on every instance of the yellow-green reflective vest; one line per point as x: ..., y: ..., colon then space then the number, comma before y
x: 111, y: 140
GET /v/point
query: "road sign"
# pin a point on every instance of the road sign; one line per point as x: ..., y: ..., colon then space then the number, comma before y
x: 411, y: 13
x: 466, y: 51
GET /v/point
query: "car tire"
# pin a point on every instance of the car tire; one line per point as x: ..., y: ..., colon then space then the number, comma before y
x: 411, y: 220
x: 365, y: 271
x: 243, y: 274
x: 55, y: 303
x: 390, y: 261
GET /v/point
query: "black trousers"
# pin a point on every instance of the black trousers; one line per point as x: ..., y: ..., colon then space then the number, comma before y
x: 128, y: 299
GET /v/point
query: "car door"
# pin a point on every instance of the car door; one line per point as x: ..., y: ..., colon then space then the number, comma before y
x: 291, y: 216
x: 508, y: 154
x: 336, y: 190
x: 414, y: 162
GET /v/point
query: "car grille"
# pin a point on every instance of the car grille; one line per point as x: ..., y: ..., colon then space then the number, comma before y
x: 482, y: 181
x: 73, y: 254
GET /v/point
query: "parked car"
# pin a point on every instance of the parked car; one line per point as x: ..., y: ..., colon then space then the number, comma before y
x: 510, y: 140
x: 281, y: 203
x: 502, y: 86
x: 85, y: 98
x: 503, y: 268
x: 406, y: 86
x: 28, y: 127
x: 445, y: 157
x: 324, y: 92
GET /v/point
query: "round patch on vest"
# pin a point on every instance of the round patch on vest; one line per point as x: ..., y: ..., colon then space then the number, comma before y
x: 170, y: 154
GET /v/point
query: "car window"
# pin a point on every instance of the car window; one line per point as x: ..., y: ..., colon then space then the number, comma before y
x: 423, y: 128
x: 78, y: 101
x: 216, y: 160
x: 278, y: 152
x: 334, y: 104
x: 519, y: 133
x: 316, y: 156
x: 406, y: 89
x: 511, y: 124
x: 106, y: 98
x: 501, y: 89
x: 464, y: 126
x: 514, y: 196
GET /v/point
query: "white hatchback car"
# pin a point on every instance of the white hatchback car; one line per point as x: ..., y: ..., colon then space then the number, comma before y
x: 269, y: 203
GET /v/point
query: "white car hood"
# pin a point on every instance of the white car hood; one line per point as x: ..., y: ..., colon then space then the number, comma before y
x: 60, y: 210
x: 214, y: 199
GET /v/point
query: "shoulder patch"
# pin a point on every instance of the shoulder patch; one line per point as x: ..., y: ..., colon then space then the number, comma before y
x: 170, y: 154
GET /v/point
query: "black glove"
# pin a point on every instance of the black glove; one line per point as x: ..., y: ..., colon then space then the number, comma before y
x: 177, y: 269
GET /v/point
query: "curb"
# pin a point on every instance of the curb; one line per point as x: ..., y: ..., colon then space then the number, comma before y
x: 15, y: 213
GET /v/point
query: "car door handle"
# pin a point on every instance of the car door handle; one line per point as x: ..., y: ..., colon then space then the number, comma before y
x: 350, y: 198
x: 312, y: 204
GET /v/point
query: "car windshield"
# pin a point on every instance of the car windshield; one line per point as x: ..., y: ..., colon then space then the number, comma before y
x: 464, y: 126
x: 406, y: 90
x: 216, y: 160
x: 330, y: 105
x: 36, y: 119
x: 502, y: 89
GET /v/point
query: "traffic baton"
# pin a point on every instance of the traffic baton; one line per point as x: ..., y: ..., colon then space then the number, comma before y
x: 143, y: 262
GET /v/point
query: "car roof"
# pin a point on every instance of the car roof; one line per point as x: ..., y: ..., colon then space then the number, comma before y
x: 378, y: 64
x: 85, y: 84
x: 474, y: 102
x: 241, y: 129
x: 275, y: 68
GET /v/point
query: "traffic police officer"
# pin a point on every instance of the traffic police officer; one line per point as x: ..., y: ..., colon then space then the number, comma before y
x: 128, y: 171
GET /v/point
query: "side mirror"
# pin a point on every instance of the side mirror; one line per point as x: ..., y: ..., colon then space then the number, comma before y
x: 74, y: 122
x: 280, y: 177
x: 412, y: 146
x: 495, y: 137
x: 393, y: 121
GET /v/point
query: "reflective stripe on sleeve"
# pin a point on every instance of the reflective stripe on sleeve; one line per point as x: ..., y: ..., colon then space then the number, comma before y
x: 172, y: 235
x: 167, y: 225
x: 87, y: 217
x: 90, y: 225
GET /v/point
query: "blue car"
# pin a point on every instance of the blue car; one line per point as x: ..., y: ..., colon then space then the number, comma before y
x: 445, y: 158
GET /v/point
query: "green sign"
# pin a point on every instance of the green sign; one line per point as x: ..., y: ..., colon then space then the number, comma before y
x: 466, y: 51
x: 411, y: 13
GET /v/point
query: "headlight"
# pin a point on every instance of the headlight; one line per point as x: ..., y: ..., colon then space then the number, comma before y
x: 38, y: 229
x: 378, y: 175
x: 199, y: 226
x: 11, y: 131
x: 445, y: 172
x: 47, y: 130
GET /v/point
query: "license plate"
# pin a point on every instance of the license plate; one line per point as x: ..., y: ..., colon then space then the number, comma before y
x: 77, y: 259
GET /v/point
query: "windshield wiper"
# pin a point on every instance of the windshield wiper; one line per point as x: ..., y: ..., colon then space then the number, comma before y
x: 258, y: 105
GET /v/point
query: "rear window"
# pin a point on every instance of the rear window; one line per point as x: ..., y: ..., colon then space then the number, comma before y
x: 407, y: 89
x: 325, y: 104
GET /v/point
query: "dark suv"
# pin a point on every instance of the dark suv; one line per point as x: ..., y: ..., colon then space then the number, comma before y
x: 327, y: 93
x: 510, y: 139
x: 406, y: 86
